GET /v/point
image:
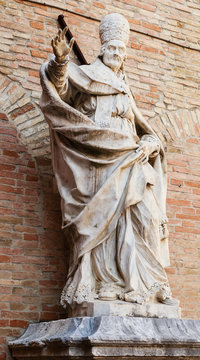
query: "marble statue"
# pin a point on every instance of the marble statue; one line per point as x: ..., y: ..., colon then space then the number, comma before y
x: 111, y: 174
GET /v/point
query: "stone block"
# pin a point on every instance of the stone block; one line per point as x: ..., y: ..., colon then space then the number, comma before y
x: 110, y: 337
x: 122, y: 308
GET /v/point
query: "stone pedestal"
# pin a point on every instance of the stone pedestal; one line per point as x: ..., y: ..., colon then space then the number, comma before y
x: 122, y: 308
x: 110, y: 337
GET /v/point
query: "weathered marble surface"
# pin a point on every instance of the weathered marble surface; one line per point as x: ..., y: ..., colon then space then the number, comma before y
x: 110, y: 337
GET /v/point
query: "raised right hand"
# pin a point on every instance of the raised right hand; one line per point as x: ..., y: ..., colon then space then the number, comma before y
x: 60, y: 47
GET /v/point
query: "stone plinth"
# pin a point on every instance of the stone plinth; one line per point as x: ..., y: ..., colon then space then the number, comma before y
x: 122, y: 308
x: 110, y: 337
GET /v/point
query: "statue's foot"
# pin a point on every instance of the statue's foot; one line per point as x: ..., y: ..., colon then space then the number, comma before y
x: 107, y: 296
x: 164, y: 297
x: 107, y: 293
x: 168, y: 301
x: 132, y: 297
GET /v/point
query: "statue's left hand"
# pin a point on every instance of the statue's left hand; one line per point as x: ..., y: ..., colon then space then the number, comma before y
x: 147, y: 148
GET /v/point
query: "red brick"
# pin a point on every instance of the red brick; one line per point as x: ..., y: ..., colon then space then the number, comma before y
x: 99, y: 4
x: 9, y: 332
x: 152, y: 26
x: 11, y: 189
x: 34, y: 73
x: 7, y: 181
x: 47, y: 316
x: 29, y: 284
x: 187, y: 216
x: 20, y: 111
x: 193, y: 140
x: 30, y: 237
x: 196, y: 191
x: 171, y: 270
x: 5, y: 289
x: 20, y: 49
x: 173, y: 161
x: 41, y: 12
x: 10, y: 153
x: 39, y: 54
x: 32, y: 192
x: 176, y: 182
x: 37, y: 25
x: 3, y: 116
x: 188, y: 210
x: 11, y: 25
x: 187, y: 230
x: 8, y: 131
x: 178, y: 202
x: 32, y: 222
x: 29, y: 65
x: 136, y: 46
x: 29, y: 85
x: 192, y: 184
x: 5, y: 83
x: 144, y: 6
x: 14, y: 251
x: 4, y: 323
x: 31, y: 178
x: 19, y: 323
x: 7, y: 167
x: 7, y: 138
x: 4, y: 259
x: 149, y: 49
x: 28, y: 259
x: 26, y: 229
x: 14, y: 315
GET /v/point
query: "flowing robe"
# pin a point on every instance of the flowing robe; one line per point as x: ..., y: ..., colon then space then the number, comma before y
x: 112, y: 205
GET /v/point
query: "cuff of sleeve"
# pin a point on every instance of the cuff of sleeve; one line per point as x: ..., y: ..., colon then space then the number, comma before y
x: 53, y: 60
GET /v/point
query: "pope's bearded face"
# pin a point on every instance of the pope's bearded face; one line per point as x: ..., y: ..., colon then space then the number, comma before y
x: 114, y: 53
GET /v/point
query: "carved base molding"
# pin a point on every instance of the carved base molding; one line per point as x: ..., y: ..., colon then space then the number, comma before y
x: 110, y: 337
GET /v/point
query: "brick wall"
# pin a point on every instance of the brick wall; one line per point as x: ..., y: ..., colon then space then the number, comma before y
x: 180, y: 135
x: 184, y: 223
x: 163, y: 69
x: 32, y: 250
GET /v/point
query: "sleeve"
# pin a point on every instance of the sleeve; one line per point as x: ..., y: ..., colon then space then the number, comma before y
x: 57, y: 74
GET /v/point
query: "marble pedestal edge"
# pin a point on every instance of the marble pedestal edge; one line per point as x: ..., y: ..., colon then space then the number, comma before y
x: 109, y: 337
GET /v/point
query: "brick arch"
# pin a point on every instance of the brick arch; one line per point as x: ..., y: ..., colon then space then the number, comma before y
x: 175, y: 125
x: 26, y: 115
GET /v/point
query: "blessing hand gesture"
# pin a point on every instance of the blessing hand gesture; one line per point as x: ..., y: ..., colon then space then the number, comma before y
x: 60, y: 47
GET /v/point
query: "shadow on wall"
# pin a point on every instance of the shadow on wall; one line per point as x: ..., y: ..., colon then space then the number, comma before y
x: 33, y: 253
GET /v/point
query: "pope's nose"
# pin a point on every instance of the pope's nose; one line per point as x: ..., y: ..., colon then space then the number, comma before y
x: 116, y: 52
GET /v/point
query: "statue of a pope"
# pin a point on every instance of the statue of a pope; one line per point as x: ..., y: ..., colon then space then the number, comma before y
x: 111, y: 175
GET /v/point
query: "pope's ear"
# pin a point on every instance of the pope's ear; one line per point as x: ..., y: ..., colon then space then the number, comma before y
x: 101, y: 52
